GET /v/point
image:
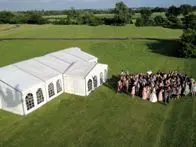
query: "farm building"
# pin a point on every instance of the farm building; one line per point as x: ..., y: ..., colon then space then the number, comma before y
x: 27, y: 85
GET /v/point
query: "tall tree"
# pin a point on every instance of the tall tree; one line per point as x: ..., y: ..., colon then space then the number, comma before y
x: 185, y: 9
x: 188, y: 39
x: 6, y: 16
x: 145, y: 19
x: 73, y: 15
x: 122, y: 14
x: 159, y: 20
x: 173, y: 11
x: 190, y: 21
x: 146, y: 14
x: 35, y: 18
x: 188, y: 44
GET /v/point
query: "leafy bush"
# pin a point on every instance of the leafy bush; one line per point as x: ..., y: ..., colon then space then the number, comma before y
x: 35, y: 18
x: 173, y: 11
x: 174, y: 19
x: 145, y: 19
x: 5, y: 17
x: 139, y: 22
x: 174, y: 22
x: 19, y: 19
x: 159, y: 21
x: 89, y: 19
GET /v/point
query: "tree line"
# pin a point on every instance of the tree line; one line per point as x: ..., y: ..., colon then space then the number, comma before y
x: 7, y: 17
x: 122, y: 15
x: 175, y: 17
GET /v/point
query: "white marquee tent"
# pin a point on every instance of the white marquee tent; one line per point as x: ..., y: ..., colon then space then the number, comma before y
x: 18, y: 90
x: 27, y: 85
x: 49, y: 76
x: 82, y: 81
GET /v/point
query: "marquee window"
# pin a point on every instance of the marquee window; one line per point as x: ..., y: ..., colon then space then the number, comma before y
x: 29, y: 101
x: 95, y: 81
x: 40, y: 96
x: 59, y: 86
x: 51, y: 90
x: 90, y: 85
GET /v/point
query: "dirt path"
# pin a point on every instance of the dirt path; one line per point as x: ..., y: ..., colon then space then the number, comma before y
x: 96, y: 38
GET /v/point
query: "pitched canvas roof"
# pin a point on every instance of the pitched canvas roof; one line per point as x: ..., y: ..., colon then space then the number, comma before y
x: 54, y: 63
x: 80, y: 69
x: 65, y: 57
x: 37, y: 69
x: 77, y: 52
x: 17, y: 79
x: 74, y: 54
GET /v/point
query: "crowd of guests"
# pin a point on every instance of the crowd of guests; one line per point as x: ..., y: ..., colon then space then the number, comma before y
x: 158, y: 86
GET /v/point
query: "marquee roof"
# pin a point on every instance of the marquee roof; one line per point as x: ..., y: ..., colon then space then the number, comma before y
x: 54, y: 63
x: 37, y: 69
x: 77, y: 52
x: 17, y: 79
x: 80, y: 69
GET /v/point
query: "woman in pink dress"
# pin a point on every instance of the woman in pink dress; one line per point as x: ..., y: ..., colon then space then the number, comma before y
x: 160, y: 97
x: 133, y: 91
x: 144, y: 93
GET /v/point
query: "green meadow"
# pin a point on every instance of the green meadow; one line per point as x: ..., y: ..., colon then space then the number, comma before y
x: 104, y: 118
x: 87, y: 31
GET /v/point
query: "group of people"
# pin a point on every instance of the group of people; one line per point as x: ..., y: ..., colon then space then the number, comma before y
x: 158, y: 86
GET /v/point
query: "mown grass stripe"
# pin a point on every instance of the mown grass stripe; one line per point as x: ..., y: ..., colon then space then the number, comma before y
x: 161, y: 129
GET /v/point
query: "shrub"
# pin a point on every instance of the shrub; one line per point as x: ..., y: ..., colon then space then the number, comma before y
x: 142, y: 22
x: 5, y: 17
x: 174, y: 22
x: 159, y: 21
x: 35, y: 18
x: 139, y: 22
x: 145, y: 19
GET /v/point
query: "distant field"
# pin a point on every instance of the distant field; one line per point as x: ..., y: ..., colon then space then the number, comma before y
x: 136, y: 15
x: 105, y: 15
x: 52, y: 18
x: 104, y: 118
x: 55, y: 16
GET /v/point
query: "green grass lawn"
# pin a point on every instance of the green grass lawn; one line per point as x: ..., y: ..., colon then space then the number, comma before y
x: 88, y: 31
x: 104, y: 118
